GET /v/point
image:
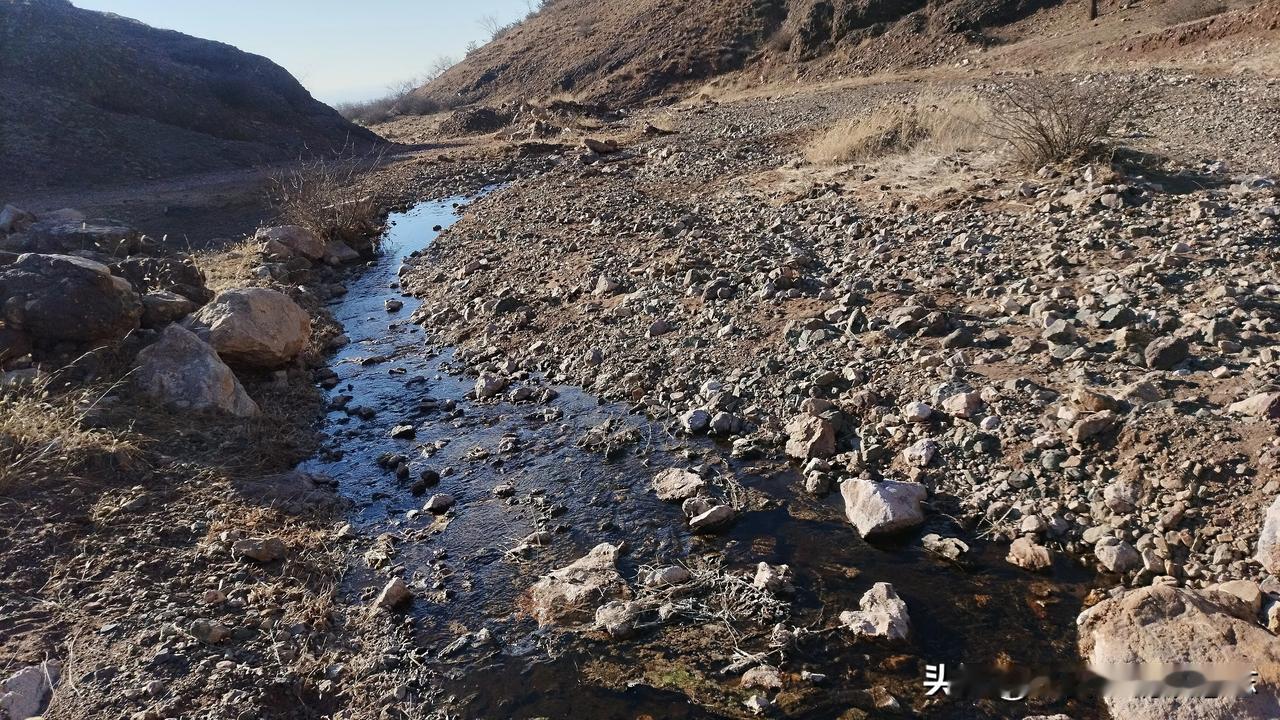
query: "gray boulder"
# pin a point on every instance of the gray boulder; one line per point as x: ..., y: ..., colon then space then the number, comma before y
x: 1160, y: 624
x: 182, y: 371
x: 177, y: 275
x: 879, y: 508
x: 62, y: 298
x: 26, y: 693
x: 256, y: 327
x: 292, y: 241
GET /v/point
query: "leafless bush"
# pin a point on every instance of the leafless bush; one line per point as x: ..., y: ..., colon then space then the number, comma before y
x: 324, y: 196
x: 401, y: 99
x: 1049, y: 123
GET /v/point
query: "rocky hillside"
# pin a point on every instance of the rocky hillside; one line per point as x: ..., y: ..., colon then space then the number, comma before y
x: 92, y: 98
x: 627, y: 51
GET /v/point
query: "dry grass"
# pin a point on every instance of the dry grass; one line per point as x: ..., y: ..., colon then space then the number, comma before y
x: 229, y: 266
x: 43, y: 436
x: 1051, y: 123
x: 936, y: 125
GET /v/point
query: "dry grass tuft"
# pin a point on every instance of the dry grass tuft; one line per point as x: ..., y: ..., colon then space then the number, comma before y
x: 1051, y: 123
x: 938, y: 125
x: 229, y: 266
x: 43, y: 435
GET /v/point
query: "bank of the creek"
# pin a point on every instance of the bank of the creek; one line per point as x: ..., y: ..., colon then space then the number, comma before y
x: 465, y: 579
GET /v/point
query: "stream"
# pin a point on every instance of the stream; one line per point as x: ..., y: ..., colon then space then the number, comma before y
x: 464, y: 578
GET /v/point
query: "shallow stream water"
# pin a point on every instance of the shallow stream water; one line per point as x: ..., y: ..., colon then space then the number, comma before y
x: 982, y: 612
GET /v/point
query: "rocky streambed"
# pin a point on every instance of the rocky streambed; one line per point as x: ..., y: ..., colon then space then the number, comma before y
x: 535, y: 551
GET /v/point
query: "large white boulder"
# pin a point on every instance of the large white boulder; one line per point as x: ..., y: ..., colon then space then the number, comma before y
x: 183, y: 371
x: 256, y: 327
x: 878, y: 508
x: 1165, y: 625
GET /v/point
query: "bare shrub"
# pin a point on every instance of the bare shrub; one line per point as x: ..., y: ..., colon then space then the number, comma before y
x: 1049, y: 123
x: 323, y: 195
x: 43, y: 435
x: 401, y: 99
x: 938, y: 124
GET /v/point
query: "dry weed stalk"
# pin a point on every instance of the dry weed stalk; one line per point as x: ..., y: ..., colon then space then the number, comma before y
x: 715, y: 595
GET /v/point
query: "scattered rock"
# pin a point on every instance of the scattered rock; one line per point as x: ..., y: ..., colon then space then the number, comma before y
x: 677, y: 484
x: 882, y: 614
x: 1269, y: 539
x: 263, y: 550
x: 61, y: 298
x: 879, y: 508
x: 571, y: 593
x: 256, y: 327
x: 181, y: 370
x: 1028, y: 555
x: 26, y: 693
x: 394, y: 594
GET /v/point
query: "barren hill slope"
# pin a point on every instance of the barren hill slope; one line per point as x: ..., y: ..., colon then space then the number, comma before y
x: 91, y: 98
x: 628, y: 50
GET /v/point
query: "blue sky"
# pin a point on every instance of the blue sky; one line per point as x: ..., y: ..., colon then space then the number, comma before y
x: 340, y: 50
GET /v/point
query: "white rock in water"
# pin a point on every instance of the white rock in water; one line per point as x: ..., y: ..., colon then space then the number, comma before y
x: 394, y: 594
x: 573, y: 592
x: 882, y: 614
x: 677, y: 484
x: 439, y: 503
x: 712, y: 519
x: 878, y: 508
x: 1026, y: 554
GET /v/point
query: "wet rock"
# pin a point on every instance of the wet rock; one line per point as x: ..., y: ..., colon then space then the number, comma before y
x: 61, y: 298
x: 337, y: 252
x: 1165, y: 352
x: 393, y: 594
x: 773, y: 578
x: 764, y: 677
x: 256, y: 327
x: 182, y: 371
x: 879, y: 508
x: 488, y: 385
x: 296, y: 240
x: 950, y: 548
x: 263, y: 550
x: 403, y: 432
x: 677, y: 484
x: 1269, y: 539
x: 1028, y: 555
x: 438, y: 504
x: 713, y: 519
x: 1165, y: 625
x: 881, y: 614
x: 618, y: 618
x: 809, y: 436
x: 392, y: 305
x: 26, y: 693
x: 759, y: 704
x: 572, y: 593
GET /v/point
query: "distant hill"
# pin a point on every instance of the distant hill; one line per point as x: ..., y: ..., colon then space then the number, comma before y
x: 623, y: 51
x: 92, y: 99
